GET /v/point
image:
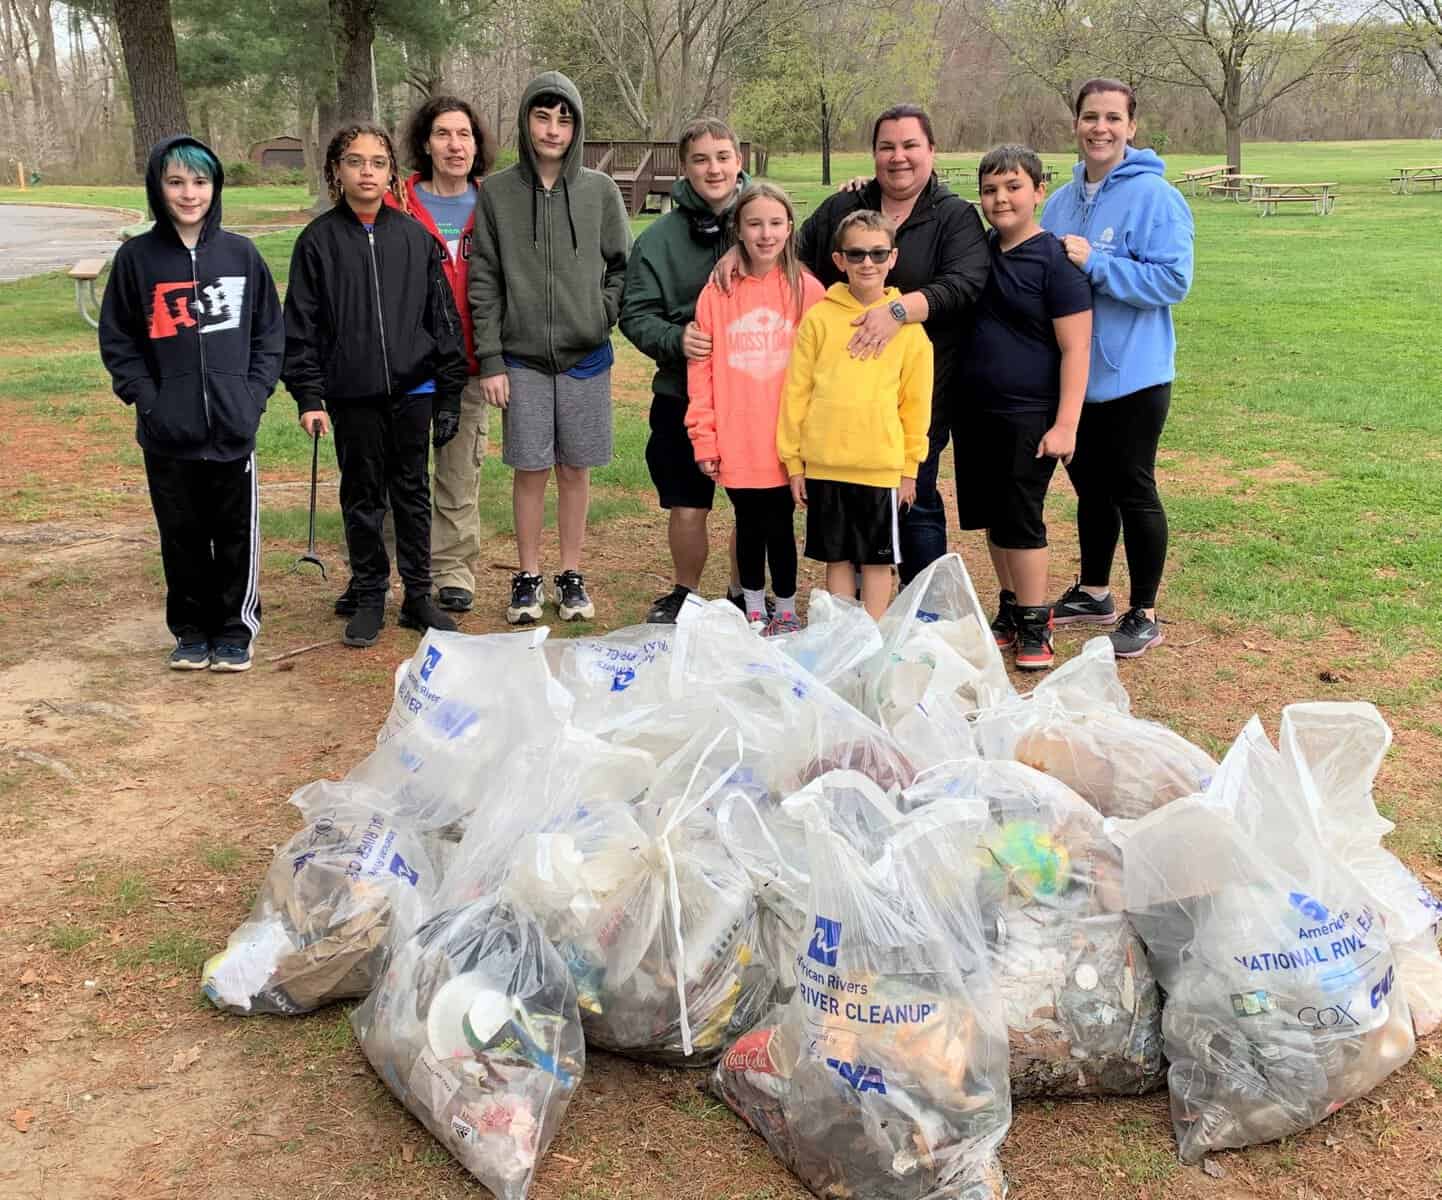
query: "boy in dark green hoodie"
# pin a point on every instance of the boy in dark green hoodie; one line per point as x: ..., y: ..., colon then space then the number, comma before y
x: 669, y: 267
x: 548, y: 263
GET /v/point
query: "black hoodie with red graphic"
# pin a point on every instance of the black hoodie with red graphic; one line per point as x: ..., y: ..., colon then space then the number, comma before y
x: 193, y: 339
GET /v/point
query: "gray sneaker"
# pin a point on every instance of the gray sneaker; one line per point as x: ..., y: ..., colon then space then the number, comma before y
x: 572, y: 602
x: 1079, y: 607
x: 230, y: 656
x: 527, y: 596
x: 1136, y: 635
x: 190, y: 656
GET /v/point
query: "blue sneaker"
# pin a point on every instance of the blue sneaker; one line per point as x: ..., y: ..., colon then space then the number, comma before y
x: 227, y: 656
x: 190, y: 656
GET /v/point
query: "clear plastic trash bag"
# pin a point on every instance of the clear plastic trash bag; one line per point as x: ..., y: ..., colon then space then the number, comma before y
x: 768, y: 839
x: 884, y: 1075
x: 1086, y: 682
x: 337, y: 897
x: 475, y: 1030
x: 721, y: 676
x: 839, y: 638
x: 938, y: 653
x: 657, y: 923
x: 1282, y: 996
x: 1343, y: 746
x: 521, y: 841
x: 463, y: 703
x: 1082, y: 1007
x: 1121, y: 765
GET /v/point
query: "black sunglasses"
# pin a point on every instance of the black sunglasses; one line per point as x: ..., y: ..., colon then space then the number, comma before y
x: 856, y: 257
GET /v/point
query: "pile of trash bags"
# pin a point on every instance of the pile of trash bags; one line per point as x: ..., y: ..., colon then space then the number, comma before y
x: 854, y: 873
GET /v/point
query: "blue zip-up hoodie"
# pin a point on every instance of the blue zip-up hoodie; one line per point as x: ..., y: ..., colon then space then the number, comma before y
x: 1140, y: 230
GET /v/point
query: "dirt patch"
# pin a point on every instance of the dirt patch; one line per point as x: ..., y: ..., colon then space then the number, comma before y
x: 127, y: 875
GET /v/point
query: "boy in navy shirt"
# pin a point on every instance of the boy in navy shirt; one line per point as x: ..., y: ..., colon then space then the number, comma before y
x: 1027, y: 372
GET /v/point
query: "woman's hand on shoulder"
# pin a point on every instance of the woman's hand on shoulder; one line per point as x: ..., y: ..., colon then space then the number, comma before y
x: 1077, y: 248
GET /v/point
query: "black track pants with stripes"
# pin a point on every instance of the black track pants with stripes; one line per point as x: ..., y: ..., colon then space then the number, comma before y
x: 208, y: 514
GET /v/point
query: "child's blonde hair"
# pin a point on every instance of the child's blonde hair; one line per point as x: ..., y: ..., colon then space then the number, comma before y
x: 863, y: 218
x: 790, y: 261
x: 341, y: 141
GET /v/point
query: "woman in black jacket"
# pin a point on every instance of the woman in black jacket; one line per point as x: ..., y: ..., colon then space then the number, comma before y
x: 373, y: 342
x: 941, y: 266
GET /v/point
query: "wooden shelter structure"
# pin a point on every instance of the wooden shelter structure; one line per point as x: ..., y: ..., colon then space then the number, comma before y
x: 642, y: 169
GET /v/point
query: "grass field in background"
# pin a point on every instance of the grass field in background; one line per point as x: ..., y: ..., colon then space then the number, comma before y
x: 1304, y: 450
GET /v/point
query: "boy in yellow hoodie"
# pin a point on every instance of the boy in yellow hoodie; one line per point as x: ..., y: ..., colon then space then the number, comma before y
x: 852, y: 431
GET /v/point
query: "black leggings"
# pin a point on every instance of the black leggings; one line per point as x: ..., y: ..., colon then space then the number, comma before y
x: 1114, y: 473
x: 764, y: 534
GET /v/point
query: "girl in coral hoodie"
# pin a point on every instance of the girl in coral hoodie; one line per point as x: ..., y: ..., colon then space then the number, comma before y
x: 735, y: 395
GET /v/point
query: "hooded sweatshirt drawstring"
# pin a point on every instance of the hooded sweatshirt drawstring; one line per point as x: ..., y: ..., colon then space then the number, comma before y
x: 570, y: 220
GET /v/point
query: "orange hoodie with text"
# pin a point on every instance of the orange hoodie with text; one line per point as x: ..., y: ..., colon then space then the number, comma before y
x: 735, y: 394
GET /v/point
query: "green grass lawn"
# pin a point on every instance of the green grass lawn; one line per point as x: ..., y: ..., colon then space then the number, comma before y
x: 1304, y: 450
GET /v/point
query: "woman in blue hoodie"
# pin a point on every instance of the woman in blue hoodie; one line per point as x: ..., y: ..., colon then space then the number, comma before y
x: 1130, y: 231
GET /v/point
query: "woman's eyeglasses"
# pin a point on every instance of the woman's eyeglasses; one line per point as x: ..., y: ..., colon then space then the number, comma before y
x: 877, y: 254
x: 355, y: 162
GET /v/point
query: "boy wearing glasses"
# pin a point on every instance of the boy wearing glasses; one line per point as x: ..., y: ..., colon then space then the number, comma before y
x: 373, y: 345
x: 853, y: 431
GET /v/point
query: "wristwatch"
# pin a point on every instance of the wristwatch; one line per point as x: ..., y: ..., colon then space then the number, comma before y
x: 898, y: 310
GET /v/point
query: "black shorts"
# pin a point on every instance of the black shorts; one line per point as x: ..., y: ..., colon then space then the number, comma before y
x: 671, y: 458
x: 1000, y: 483
x: 851, y: 522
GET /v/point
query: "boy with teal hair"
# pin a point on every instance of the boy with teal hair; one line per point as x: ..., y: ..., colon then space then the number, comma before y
x: 192, y: 334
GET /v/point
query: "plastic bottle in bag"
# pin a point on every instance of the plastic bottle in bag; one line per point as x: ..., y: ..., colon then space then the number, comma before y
x: 884, y: 1076
x: 475, y: 1030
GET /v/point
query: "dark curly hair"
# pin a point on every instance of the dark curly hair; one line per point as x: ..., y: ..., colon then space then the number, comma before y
x: 418, y: 132
x: 340, y: 142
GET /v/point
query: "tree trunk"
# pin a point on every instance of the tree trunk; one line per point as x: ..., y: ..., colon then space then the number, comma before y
x: 148, y: 42
x: 1234, y: 143
x: 825, y: 143
x: 354, y: 24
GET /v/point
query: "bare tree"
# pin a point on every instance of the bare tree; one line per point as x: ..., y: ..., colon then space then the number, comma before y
x: 668, y: 58
x: 1246, y: 54
x: 147, y: 40
x: 1421, y: 22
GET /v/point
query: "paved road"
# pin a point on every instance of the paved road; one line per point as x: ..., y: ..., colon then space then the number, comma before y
x: 35, y: 239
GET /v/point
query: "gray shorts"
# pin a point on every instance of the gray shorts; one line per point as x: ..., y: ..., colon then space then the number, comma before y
x: 555, y: 419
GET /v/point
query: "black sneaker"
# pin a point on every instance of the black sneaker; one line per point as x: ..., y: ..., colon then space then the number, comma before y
x: 663, y: 609
x: 1078, y: 607
x: 230, y: 656
x: 419, y: 612
x: 527, y: 597
x: 572, y: 603
x: 1003, y: 625
x: 346, y: 603
x: 364, y: 627
x: 1137, y: 634
x: 1033, y: 638
x: 454, y: 599
x: 190, y: 656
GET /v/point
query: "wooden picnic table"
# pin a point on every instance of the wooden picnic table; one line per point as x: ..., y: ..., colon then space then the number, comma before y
x: 85, y: 273
x: 1237, y: 187
x: 1321, y: 196
x: 1406, y: 177
x: 1200, y: 175
x: 966, y: 176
